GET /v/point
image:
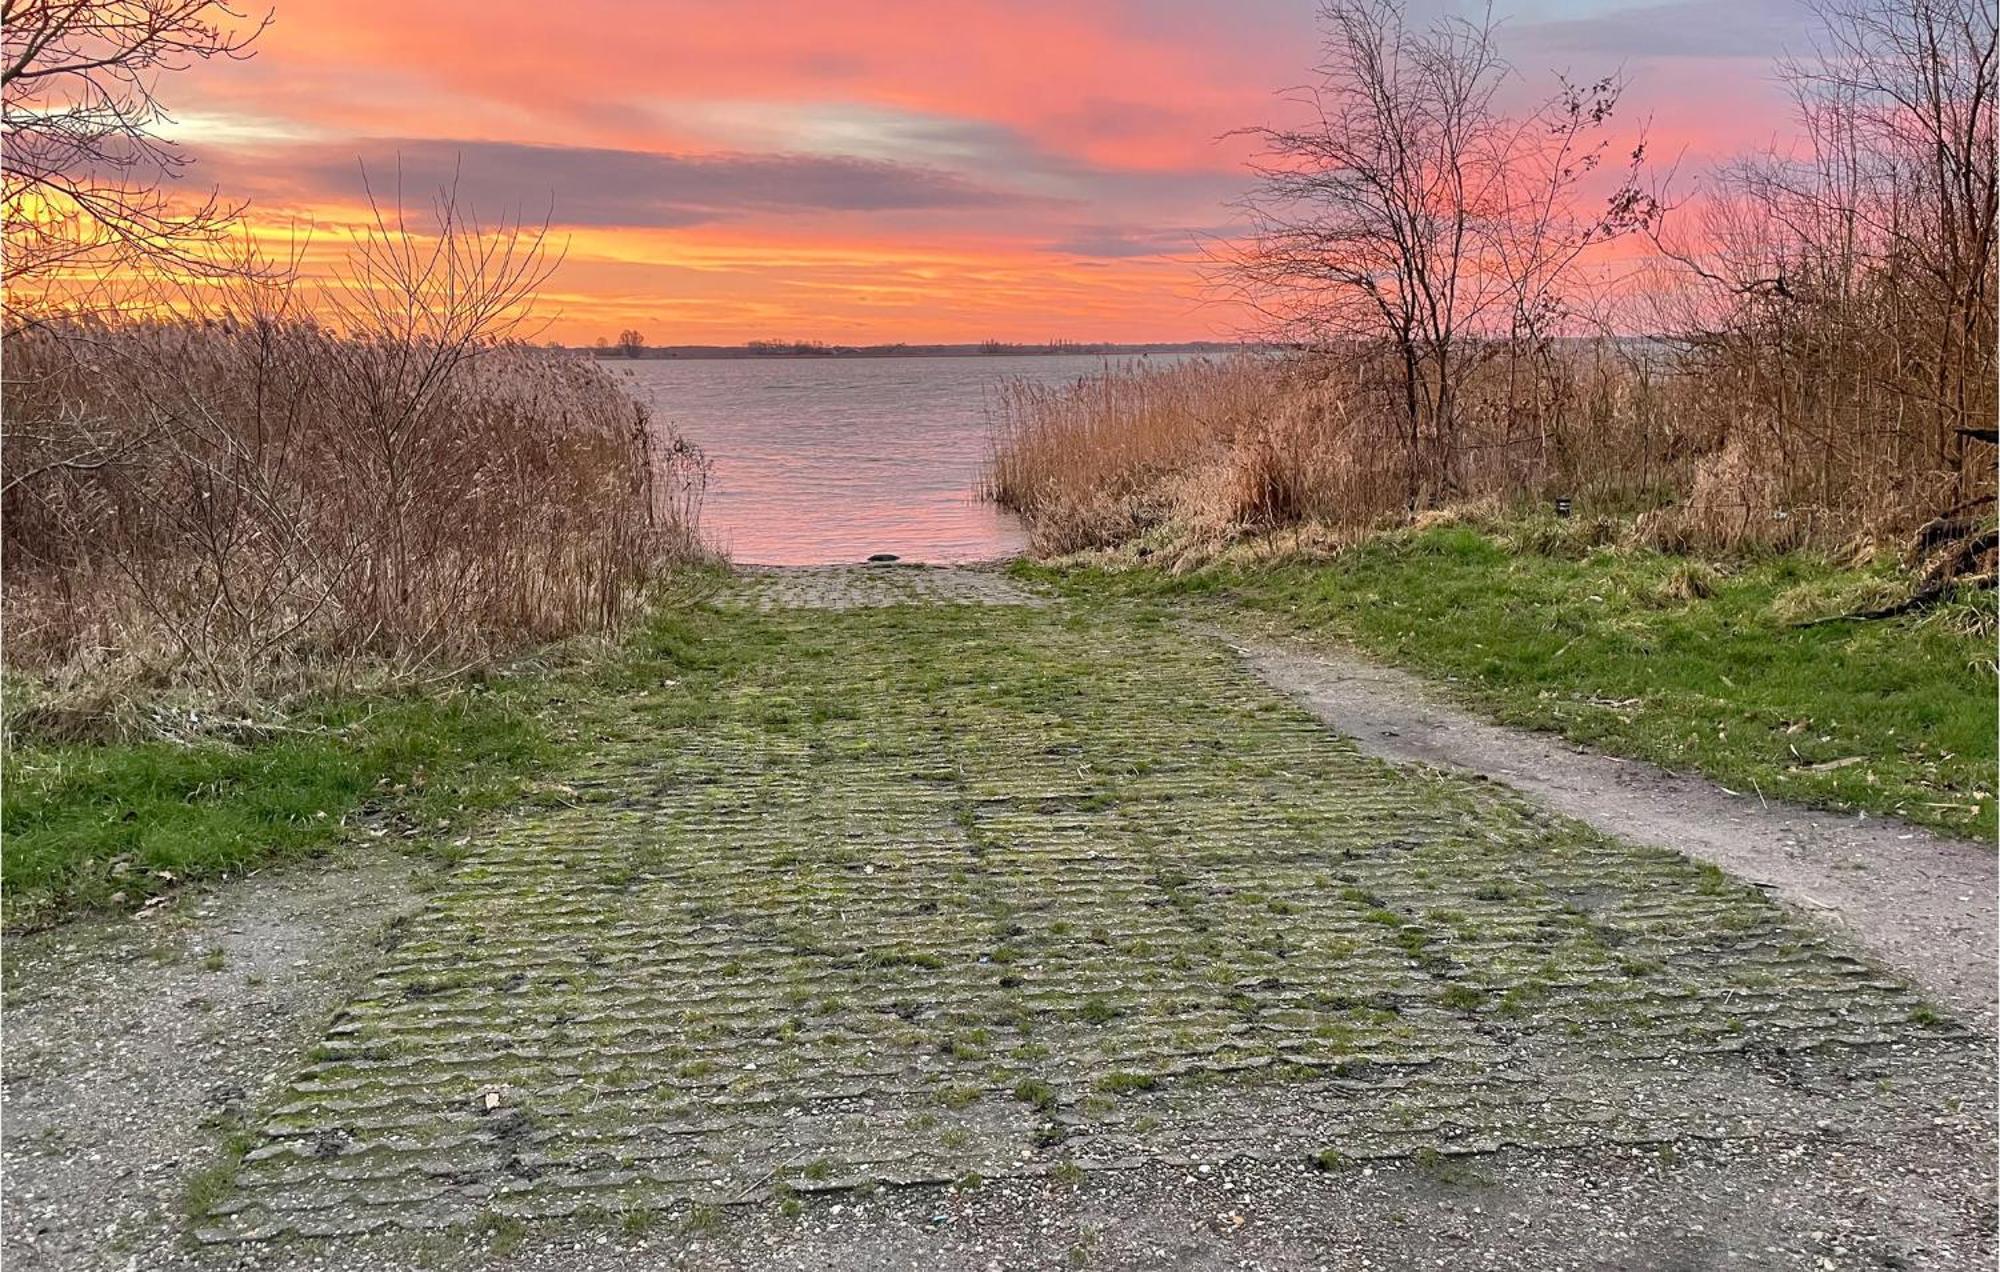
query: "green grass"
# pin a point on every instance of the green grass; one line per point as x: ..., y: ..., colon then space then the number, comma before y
x: 210, y: 1184
x: 110, y: 825
x: 1614, y: 648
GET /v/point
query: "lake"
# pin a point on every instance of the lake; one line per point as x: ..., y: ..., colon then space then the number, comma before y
x: 820, y: 460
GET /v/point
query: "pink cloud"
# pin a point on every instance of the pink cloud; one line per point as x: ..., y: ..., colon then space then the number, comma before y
x: 1020, y: 170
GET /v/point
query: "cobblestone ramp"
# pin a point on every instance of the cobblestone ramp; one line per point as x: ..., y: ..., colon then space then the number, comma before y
x: 954, y: 889
x: 844, y: 587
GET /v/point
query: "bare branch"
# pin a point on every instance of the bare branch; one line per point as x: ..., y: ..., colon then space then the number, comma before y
x: 89, y: 181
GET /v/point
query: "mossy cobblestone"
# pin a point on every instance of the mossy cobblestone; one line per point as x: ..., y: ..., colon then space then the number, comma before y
x: 947, y: 883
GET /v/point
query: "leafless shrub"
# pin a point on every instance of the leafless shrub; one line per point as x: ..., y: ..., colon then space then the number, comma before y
x: 1416, y: 224
x: 1836, y: 300
x: 287, y: 484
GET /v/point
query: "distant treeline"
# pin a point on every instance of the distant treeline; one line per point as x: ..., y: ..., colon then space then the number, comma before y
x: 989, y: 348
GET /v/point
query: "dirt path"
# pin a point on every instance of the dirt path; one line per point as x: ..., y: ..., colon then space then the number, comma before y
x: 962, y: 929
x: 1927, y: 905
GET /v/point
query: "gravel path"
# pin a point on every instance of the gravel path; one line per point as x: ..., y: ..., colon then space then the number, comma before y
x: 134, y: 1046
x: 1923, y: 903
x: 960, y: 931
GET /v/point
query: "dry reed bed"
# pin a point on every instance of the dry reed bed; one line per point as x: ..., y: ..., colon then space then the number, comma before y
x: 233, y: 504
x: 1199, y: 455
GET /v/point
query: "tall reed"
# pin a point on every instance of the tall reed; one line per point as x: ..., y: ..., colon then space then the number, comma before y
x: 1210, y: 452
x: 257, y: 485
x: 216, y: 499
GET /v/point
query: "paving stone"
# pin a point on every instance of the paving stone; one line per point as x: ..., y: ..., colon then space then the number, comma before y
x: 874, y: 586
x: 955, y: 884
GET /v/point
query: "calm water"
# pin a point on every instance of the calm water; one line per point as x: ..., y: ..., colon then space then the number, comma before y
x: 831, y: 459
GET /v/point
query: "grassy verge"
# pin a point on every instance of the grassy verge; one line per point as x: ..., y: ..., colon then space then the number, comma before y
x: 1688, y: 664
x: 111, y: 825
x: 114, y: 824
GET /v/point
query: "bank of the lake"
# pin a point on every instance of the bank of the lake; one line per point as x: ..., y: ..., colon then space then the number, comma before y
x: 1714, y: 667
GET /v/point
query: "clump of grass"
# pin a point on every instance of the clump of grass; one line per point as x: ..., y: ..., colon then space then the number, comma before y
x: 1834, y: 595
x: 1449, y: 1169
x: 1036, y: 1092
x: 208, y: 1186
x: 702, y: 1218
x: 1686, y: 581
x: 1463, y: 997
x: 789, y: 1203
x: 1970, y: 613
x: 502, y: 1234
x: 637, y: 1222
x: 904, y: 956
x: 1099, y: 1011
x: 1125, y: 1082
x: 1329, y: 1160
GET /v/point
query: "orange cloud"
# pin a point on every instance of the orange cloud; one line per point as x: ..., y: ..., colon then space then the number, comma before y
x: 848, y: 170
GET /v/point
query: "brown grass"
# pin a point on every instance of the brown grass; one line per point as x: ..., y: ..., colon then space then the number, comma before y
x: 1200, y: 457
x: 223, y: 502
x: 256, y: 486
x: 1084, y: 463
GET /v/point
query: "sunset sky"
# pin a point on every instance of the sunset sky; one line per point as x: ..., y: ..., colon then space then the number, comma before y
x: 865, y: 172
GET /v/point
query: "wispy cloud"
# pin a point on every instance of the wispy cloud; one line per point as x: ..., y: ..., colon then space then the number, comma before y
x: 1723, y: 29
x: 1118, y: 242
x: 588, y: 186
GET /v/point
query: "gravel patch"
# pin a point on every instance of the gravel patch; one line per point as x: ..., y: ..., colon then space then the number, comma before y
x: 1815, y: 1203
x: 134, y: 1046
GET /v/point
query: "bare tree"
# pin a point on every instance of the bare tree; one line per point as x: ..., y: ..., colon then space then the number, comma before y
x: 631, y: 342
x: 1413, y: 215
x: 89, y: 179
x: 1840, y: 294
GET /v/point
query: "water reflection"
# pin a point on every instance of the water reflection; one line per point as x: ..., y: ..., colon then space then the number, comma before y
x: 823, y: 460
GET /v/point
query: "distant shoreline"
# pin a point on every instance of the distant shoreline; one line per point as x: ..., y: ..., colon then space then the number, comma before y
x: 915, y: 350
